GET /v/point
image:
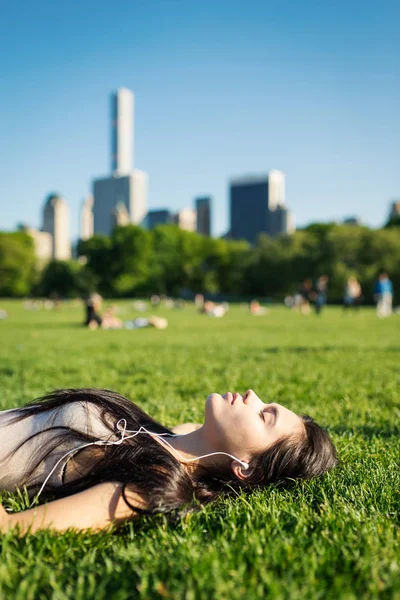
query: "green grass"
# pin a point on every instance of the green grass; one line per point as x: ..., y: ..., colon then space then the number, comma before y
x: 337, y: 537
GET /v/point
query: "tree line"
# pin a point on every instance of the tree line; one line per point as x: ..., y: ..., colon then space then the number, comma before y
x: 133, y: 261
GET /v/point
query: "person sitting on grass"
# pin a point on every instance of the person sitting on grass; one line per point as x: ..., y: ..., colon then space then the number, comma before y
x: 93, y: 317
x: 109, y: 320
x: 99, y: 460
x: 214, y: 310
x: 256, y: 309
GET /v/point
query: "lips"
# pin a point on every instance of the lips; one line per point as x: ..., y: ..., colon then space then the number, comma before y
x: 232, y: 397
x: 228, y: 396
x: 236, y: 395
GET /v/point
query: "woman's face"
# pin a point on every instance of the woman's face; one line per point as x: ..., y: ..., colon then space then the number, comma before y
x: 244, y: 425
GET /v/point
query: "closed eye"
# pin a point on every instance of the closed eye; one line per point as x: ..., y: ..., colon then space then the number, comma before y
x: 272, y: 411
x: 275, y: 414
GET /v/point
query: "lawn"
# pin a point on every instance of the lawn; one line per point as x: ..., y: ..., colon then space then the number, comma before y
x: 337, y: 537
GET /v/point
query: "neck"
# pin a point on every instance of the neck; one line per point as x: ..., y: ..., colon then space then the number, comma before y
x: 192, y: 445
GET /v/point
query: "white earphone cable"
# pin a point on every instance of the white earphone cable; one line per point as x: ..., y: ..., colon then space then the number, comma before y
x: 69, y: 455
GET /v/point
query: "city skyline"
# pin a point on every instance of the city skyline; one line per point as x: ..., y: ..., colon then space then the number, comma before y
x: 122, y: 198
x: 156, y: 216
x: 311, y: 89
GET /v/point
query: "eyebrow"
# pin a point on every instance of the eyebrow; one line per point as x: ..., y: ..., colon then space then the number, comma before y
x: 275, y: 414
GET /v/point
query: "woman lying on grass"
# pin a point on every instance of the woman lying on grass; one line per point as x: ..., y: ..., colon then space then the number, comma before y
x: 101, y: 460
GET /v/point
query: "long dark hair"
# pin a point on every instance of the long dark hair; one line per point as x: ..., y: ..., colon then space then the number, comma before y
x: 143, y: 465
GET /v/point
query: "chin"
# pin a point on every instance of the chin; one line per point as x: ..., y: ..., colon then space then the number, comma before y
x: 213, y: 397
x: 211, y: 402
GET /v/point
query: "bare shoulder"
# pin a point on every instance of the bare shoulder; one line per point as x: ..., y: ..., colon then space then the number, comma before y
x: 186, y: 428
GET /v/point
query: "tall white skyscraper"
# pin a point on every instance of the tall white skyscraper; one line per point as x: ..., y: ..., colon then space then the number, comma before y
x: 86, y: 225
x: 56, y: 222
x: 127, y: 186
x: 122, y: 132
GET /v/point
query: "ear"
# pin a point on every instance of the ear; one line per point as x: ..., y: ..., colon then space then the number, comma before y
x: 240, y: 472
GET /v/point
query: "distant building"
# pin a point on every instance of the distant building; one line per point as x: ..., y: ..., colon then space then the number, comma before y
x: 394, y: 210
x: 280, y: 221
x: 43, y: 243
x: 56, y: 222
x: 127, y: 186
x: 276, y: 189
x: 87, y: 223
x: 158, y: 217
x: 356, y: 221
x: 203, y: 215
x: 130, y: 190
x: 120, y: 215
x: 138, y: 209
x: 290, y: 223
x: 257, y: 205
x: 122, y: 132
x: 248, y: 207
x: 186, y: 219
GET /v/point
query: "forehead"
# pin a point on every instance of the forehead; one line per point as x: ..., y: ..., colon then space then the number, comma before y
x: 284, y: 410
x: 291, y: 418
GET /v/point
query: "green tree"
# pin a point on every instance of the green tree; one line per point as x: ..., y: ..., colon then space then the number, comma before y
x: 60, y: 278
x: 226, y: 263
x: 17, y: 264
x: 393, y: 222
x: 169, y: 259
x: 97, y: 251
x: 130, y: 259
x: 177, y: 260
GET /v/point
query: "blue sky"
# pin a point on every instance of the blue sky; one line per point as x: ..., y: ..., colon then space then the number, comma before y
x: 222, y: 89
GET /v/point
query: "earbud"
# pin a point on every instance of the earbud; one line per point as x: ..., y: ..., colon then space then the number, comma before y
x: 243, y: 464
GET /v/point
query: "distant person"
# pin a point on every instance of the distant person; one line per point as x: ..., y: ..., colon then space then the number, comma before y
x: 290, y: 301
x: 179, y: 304
x: 304, y: 296
x: 383, y: 295
x: 199, y: 301
x: 256, y: 309
x: 320, y: 293
x: 56, y: 300
x: 155, y: 300
x: 93, y: 306
x: 141, y: 322
x: 214, y: 310
x: 110, y: 321
x: 352, y: 294
x: 94, y: 320
x: 168, y: 303
x: 140, y: 306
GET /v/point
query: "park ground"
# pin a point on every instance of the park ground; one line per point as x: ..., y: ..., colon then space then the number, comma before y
x: 336, y: 538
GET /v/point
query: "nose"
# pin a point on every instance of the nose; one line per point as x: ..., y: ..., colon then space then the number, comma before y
x: 247, y: 395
